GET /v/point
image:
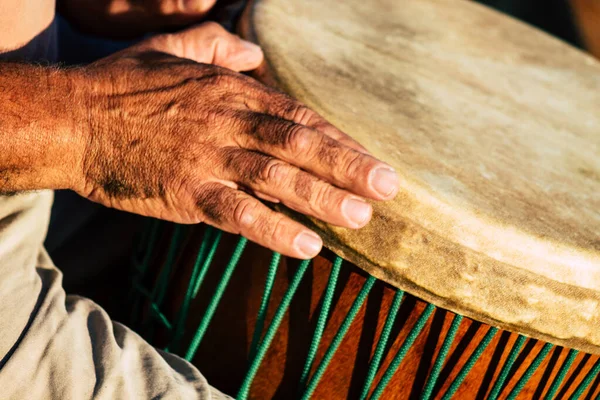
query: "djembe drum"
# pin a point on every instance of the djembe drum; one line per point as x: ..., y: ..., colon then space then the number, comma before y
x: 494, y: 130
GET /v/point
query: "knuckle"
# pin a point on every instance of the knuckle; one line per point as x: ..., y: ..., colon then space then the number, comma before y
x: 277, y: 229
x: 302, y: 114
x: 297, y: 139
x: 354, y: 163
x: 322, y: 196
x: 244, y: 212
x: 274, y: 171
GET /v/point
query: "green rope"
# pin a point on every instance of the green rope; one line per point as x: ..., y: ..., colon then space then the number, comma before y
x: 441, y: 357
x: 272, y: 330
x: 207, y: 262
x: 212, y: 306
x: 162, y: 284
x: 339, y: 336
x: 196, y: 275
x: 589, y: 377
x: 458, y: 380
x: 160, y: 289
x: 262, y: 312
x: 162, y: 318
x: 399, y: 357
x: 321, y: 322
x: 140, y: 271
x: 560, y: 376
x: 508, y: 364
x: 531, y: 369
x: 152, y: 235
x: 382, y: 343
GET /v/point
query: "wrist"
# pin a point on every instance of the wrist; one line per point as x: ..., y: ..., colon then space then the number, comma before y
x: 69, y: 134
x: 40, y: 144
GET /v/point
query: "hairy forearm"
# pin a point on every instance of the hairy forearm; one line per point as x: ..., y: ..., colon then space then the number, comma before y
x: 39, y: 144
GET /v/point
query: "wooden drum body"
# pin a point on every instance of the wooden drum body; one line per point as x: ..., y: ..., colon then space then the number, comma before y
x: 444, y: 355
x: 494, y: 129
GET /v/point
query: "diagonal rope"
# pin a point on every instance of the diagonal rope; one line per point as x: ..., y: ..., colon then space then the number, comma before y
x: 198, y: 272
x: 339, y: 336
x: 212, y: 306
x: 272, y: 330
x: 531, y: 369
x: 399, y: 357
x: 441, y: 357
x: 382, y: 343
x: 264, y: 304
x: 589, y: 377
x: 321, y: 322
x: 464, y: 371
x: 562, y: 373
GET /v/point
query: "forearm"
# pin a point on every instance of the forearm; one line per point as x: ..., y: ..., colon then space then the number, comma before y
x: 39, y: 144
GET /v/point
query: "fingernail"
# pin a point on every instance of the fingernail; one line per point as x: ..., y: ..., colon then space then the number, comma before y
x: 251, y: 47
x: 357, y: 211
x: 309, y: 244
x: 385, y: 181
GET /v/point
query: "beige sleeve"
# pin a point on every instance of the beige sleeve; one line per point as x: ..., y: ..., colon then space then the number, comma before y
x: 54, y: 346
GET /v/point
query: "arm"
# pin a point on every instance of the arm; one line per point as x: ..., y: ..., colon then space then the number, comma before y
x: 40, y: 142
x: 158, y: 130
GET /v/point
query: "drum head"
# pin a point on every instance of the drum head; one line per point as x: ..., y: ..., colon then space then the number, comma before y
x: 494, y: 129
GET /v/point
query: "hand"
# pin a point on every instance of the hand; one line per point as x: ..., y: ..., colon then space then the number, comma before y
x: 131, y: 18
x: 188, y: 142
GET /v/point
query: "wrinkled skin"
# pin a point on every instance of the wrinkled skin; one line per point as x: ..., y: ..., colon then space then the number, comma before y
x: 168, y: 135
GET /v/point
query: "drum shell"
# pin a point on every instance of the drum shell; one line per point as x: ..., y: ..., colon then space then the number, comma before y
x: 224, y: 352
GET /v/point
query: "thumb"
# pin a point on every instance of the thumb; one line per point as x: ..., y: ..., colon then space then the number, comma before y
x: 208, y: 43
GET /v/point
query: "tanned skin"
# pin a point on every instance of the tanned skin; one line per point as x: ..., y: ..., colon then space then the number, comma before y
x: 161, y: 131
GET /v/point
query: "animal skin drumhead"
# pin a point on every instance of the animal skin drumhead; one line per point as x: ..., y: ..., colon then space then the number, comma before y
x: 494, y: 130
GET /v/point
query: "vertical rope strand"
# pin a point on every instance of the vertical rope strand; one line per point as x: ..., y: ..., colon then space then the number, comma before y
x: 562, y: 373
x: 185, y: 305
x: 441, y: 357
x: 339, y: 336
x: 399, y: 357
x: 457, y: 382
x: 272, y: 330
x: 140, y: 271
x: 321, y: 322
x: 382, y: 343
x: 589, y: 377
x: 212, y: 306
x: 508, y: 364
x: 209, y: 258
x: 531, y: 369
x: 160, y: 288
x: 264, y: 304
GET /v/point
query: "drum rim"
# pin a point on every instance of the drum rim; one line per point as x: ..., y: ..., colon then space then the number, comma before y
x: 391, y: 276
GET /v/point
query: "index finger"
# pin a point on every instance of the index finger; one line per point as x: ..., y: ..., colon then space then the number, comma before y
x: 316, y: 152
x: 281, y: 105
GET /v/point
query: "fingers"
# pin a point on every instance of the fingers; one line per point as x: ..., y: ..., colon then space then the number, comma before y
x: 295, y: 188
x: 319, y: 154
x: 237, y: 212
x: 208, y: 43
x: 281, y: 105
